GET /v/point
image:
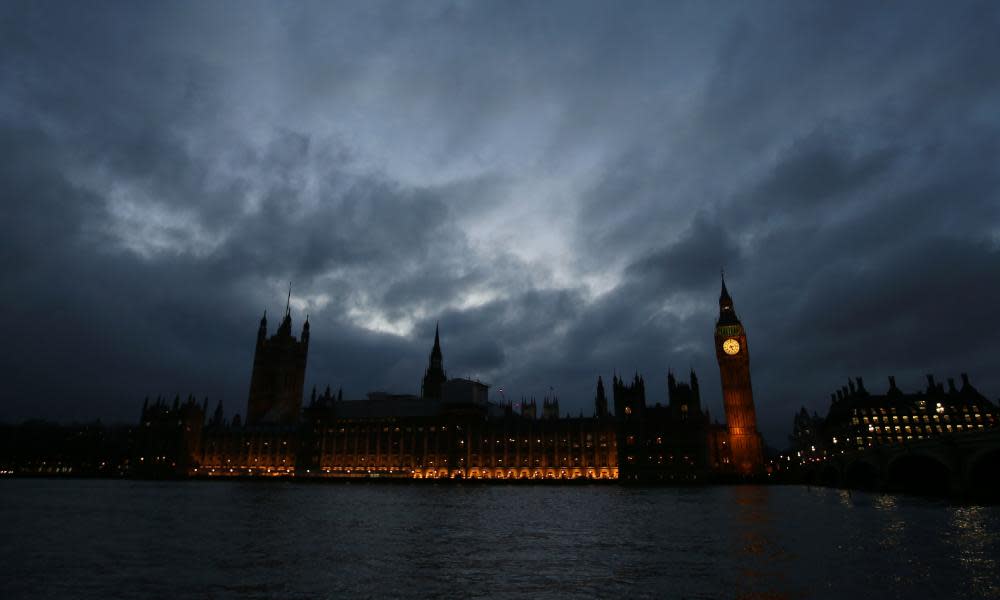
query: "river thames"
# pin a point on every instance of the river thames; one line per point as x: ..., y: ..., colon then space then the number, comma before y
x: 235, y: 539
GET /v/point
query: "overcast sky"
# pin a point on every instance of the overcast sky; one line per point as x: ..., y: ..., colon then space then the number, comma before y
x: 557, y: 183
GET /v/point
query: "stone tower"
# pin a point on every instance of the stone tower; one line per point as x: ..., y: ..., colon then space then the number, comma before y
x: 630, y: 408
x: 737, y: 395
x: 279, y: 372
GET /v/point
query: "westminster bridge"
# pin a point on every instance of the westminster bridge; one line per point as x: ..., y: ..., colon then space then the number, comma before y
x: 965, y: 465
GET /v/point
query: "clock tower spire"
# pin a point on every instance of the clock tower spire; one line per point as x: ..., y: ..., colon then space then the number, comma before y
x: 737, y: 395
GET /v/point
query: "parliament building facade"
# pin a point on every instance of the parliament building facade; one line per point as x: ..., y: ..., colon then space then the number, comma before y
x: 452, y: 430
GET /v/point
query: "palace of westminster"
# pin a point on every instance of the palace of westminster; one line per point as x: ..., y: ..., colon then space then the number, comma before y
x: 452, y: 430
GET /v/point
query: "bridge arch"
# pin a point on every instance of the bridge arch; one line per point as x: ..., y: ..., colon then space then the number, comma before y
x: 828, y: 475
x: 984, y: 476
x: 921, y: 474
x: 862, y: 475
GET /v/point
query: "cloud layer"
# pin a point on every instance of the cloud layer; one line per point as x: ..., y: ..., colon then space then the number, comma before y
x: 557, y: 184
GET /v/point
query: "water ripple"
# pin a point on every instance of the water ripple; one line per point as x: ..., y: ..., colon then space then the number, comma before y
x: 107, y: 539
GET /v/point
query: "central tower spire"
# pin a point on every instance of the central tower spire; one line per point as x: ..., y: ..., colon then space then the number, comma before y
x: 436, y: 350
x: 434, y: 376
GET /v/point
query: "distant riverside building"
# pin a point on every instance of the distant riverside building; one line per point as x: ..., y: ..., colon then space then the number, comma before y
x: 858, y: 419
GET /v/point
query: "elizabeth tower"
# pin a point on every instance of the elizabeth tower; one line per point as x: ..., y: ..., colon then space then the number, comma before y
x: 737, y: 395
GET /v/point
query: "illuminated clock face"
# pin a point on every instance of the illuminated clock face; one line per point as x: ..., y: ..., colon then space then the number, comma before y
x: 731, y: 346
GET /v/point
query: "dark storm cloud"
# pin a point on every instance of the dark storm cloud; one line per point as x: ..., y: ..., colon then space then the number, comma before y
x: 816, y: 169
x: 690, y: 262
x: 557, y: 184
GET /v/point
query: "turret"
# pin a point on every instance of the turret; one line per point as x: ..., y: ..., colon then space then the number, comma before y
x: 262, y: 330
x: 893, y: 390
x: 601, y: 400
x: 218, y: 419
x: 285, y: 329
x: 727, y: 311
x: 529, y: 408
x: 550, y: 408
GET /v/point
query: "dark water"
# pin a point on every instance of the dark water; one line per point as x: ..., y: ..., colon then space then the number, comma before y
x: 122, y: 539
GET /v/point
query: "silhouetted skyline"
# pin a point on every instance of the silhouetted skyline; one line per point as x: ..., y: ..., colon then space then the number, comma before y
x: 557, y: 185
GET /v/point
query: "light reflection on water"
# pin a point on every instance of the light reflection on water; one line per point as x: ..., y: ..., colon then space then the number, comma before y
x: 971, y: 537
x: 99, y: 539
